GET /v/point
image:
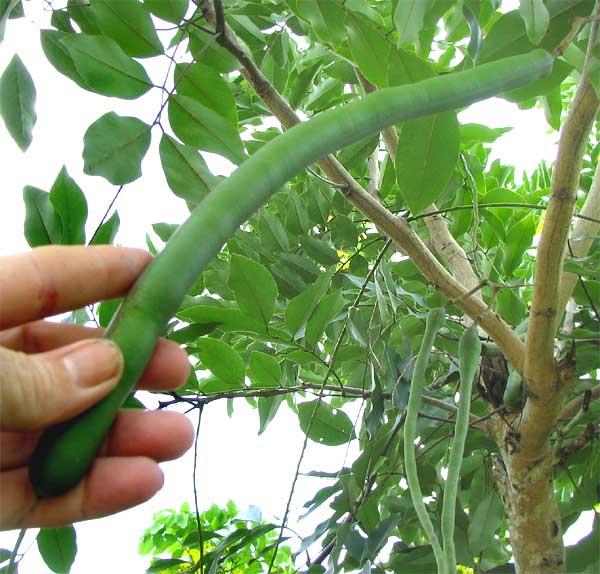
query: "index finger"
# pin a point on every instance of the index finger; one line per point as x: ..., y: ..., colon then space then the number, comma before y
x: 54, y: 279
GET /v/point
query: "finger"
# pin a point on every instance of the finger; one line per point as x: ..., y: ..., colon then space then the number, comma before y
x: 113, y: 484
x: 16, y: 448
x: 40, y: 390
x: 167, y: 370
x: 51, y: 280
x: 159, y: 435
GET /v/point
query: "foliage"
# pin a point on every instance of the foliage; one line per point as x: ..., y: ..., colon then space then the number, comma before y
x: 307, y: 306
x: 231, y: 541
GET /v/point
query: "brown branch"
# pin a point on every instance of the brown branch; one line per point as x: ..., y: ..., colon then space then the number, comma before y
x: 590, y: 432
x: 398, y: 230
x: 349, y: 392
x: 546, y: 382
x: 540, y: 368
x: 572, y: 408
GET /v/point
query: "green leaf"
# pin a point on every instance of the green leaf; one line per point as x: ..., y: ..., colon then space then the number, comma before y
x: 205, y: 129
x: 427, y: 153
x: 267, y: 409
x: 42, y: 224
x: 61, y: 21
x: 163, y: 565
x: 71, y: 207
x: 329, y: 426
x: 475, y: 38
x: 114, y: 147
x: 320, y: 250
x: 17, y: 102
x: 408, y: 19
x: 370, y: 49
x: 206, y: 50
x: 128, y: 22
x: 326, y: 19
x: 59, y: 56
x: 186, y: 171
x: 226, y: 319
x: 58, y: 547
x: 327, y: 310
x: 83, y: 14
x: 170, y: 10
x: 406, y: 68
x: 5, y: 555
x: 106, y: 311
x: 536, y: 18
x: 223, y: 361
x: 508, y: 35
x: 264, y: 370
x: 208, y: 87
x: 471, y: 134
x: 272, y: 233
x: 520, y: 238
x: 484, y: 522
x: 300, y: 308
x: 254, y: 287
x: 583, y: 557
x: 107, y: 231
x: 164, y: 230
x: 354, y: 155
x: 6, y: 9
x: 553, y: 107
x: 105, y: 68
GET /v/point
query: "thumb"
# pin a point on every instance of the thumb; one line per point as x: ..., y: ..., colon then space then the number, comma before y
x: 39, y: 390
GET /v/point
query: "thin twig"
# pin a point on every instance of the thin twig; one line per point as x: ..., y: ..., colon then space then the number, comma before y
x: 314, y: 413
x: 198, y: 522
x: 14, y: 553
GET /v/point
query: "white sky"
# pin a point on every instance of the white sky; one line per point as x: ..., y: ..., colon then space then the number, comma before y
x: 234, y: 463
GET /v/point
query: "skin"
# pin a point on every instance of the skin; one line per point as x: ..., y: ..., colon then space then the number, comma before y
x: 41, y: 283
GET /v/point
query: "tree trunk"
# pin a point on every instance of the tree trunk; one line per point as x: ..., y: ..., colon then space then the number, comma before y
x: 532, y: 513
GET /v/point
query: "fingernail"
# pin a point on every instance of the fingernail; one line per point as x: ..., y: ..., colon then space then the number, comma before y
x: 94, y: 362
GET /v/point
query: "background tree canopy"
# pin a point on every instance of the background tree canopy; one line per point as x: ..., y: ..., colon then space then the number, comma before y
x: 375, y: 287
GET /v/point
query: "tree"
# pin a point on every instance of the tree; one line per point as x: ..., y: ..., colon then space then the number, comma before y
x: 222, y: 539
x: 396, y: 273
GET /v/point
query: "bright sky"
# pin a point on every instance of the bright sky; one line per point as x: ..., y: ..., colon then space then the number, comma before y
x: 233, y: 462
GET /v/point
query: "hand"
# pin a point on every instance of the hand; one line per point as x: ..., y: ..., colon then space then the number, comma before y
x: 50, y: 372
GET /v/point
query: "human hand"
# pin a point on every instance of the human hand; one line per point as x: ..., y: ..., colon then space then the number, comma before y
x: 50, y: 372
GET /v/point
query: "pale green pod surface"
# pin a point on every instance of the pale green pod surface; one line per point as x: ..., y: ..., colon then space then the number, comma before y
x: 435, y: 321
x: 513, y: 393
x: 469, y: 351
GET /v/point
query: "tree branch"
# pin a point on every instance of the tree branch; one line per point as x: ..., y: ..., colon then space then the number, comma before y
x: 590, y: 432
x: 540, y: 370
x: 398, y: 230
x: 350, y: 392
x: 443, y: 242
x: 581, y: 238
x: 572, y: 408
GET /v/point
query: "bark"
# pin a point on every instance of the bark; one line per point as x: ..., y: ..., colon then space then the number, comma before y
x: 524, y: 475
x: 539, y: 360
x: 573, y: 407
x: 533, y: 516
